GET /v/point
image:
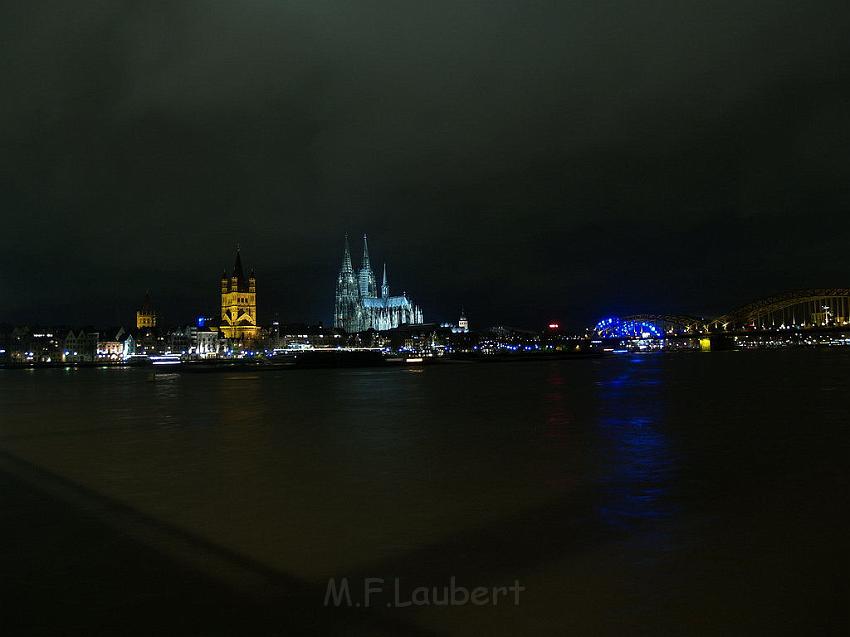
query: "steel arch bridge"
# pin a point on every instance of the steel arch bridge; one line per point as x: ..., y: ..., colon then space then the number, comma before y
x: 648, y: 326
x: 808, y: 308
x: 814, y: 307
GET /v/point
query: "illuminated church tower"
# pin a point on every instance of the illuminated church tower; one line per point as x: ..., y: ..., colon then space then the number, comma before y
x: 347, y: 305
x: 239, y: 304
x: 463, y: 322
x: 146, y: 315
x: 366, y: 278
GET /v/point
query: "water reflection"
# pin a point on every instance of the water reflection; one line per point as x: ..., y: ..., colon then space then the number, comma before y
x: 557, y: 417
x: 557, y: 431
x: 639, y: 462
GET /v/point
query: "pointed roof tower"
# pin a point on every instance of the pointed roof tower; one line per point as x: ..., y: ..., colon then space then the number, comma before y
x: 238, y: 272
x: 364, y: 262
x: 365, y: 276
x: 385, y: 286
x: 346, y: 258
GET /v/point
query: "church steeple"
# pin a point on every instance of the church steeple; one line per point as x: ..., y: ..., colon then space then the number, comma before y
x: 385, y: 286
x: 365, y: 276
x: 347, y: 292
x: 238, y: 272
x: 346, y: 258
x: 463, y: 322
x: 364, y: 262
x: 146, y: 316
x: 239, y: 303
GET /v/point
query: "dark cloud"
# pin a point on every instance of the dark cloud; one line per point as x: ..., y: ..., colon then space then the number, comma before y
x: 526, y: 159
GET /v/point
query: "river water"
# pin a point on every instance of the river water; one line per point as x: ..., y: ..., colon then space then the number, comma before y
x: 642, y: 494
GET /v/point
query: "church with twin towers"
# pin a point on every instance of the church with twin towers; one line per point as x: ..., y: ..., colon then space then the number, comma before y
x: 361, y: 306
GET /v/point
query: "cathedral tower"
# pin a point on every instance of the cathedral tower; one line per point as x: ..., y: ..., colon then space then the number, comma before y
x: 366, y: 278
x: 239, y: 303
x: 347, y: 302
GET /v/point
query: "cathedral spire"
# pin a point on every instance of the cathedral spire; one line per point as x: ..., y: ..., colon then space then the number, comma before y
x: 346, y: 308
x: 365, y: 276
x: 364, y: 262
x: 346, y: 258
x: 385, y: 286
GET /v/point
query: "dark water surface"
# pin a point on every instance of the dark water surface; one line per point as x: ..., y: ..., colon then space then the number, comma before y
x: 656, y: 494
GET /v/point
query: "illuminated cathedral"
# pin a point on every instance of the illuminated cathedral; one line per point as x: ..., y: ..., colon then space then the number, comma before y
x: 359, y: 306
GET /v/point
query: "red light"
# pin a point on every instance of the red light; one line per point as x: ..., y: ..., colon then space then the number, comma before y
x: 553, y: 326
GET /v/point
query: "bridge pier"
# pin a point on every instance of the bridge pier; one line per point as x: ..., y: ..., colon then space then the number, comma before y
x: 715, y: 342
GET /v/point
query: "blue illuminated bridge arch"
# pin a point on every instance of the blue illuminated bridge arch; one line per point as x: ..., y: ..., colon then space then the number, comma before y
x: 811, y: 308
x: 647, y: 326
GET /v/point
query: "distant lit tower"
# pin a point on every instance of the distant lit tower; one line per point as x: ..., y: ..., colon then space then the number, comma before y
x: 239, y: 303
x: 385, y: 286
x: 347, y: 302
x: 463, y: 322
x: 365, y: 277
x: 146, y: 315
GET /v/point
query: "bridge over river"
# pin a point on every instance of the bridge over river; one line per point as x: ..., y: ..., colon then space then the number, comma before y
x: 816, y: 310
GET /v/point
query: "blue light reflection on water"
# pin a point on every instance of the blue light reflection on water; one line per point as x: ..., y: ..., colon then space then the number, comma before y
x: 639, y: 466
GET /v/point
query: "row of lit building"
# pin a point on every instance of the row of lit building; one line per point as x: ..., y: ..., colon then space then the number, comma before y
x: 367, y: 318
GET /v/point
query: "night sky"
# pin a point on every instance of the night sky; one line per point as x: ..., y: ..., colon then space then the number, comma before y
x: 528, y: 160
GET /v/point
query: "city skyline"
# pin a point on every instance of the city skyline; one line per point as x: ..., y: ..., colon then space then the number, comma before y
x: 166, y: 315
